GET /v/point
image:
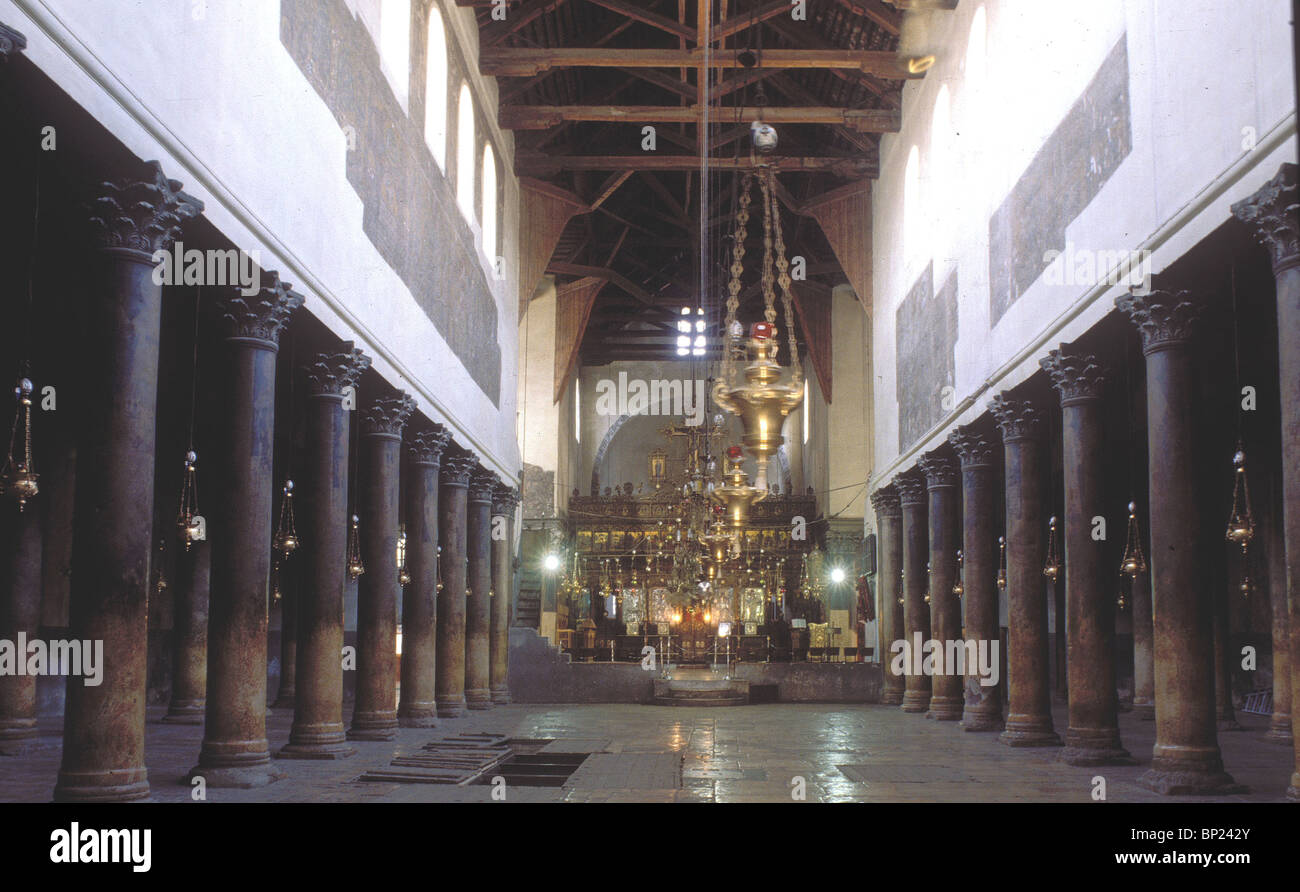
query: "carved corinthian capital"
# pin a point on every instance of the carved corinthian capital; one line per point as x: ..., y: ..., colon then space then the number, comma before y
x: 885, y: 501
x: 1164, y: 319
x: 11, y: 42
x: 1076, y: 377
x: 332, y: 373
x: 939, y: 469
x: 262, y: 317
x: 427, y: 445
x: 387, y: 416
x: 911, y: 488
x: 456, y: 468
x: 1274, y: 214
x: 140, y: 213
x: 504, y: 499
x: 1017, y: 419
x: 482, y: 483
x: 975, y: 449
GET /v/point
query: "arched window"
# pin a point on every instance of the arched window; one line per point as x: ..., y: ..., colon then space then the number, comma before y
x: 488, y: 213
x: 395, y: 45
x: 465, y: 153
x: 435, y: 91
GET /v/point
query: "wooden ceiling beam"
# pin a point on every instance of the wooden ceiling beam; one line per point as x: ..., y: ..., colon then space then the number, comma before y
x: 636, y: 13
x: 891, y: 20
x: 846, y: 167
x: 529, y: 61
x: 496, y: 31
x: 746, y: 20
x: 661, y: 80
x: 542, y: 117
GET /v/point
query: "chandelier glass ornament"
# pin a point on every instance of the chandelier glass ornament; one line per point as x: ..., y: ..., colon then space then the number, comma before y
x: 1002, y: 563
x: 1052, y: 564
x: 286, y: 535
x: 355, y: 567
x: 764, y: 397
x: 958, y: 587
x: 1133, y: 562
x: 188, y: 525
x: 1241, y: 523
x: 19, y: 478
x: 736, y: 495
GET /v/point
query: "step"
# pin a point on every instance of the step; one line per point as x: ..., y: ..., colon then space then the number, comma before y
x: 729, y: 700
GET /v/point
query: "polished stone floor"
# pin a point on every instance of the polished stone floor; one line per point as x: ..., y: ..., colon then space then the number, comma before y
x: 756, y: 753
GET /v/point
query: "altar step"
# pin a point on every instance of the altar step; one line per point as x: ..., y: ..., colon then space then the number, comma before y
x: 691, y: 686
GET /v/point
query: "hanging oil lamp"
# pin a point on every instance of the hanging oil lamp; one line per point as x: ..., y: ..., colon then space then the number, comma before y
x: 403, y: 574
x: 736, y: 495
x: 927, y: 582
x: 286, y: 536
x: 188, y: 525
x: 1133, y: 561
x: 1052, y: 566
x: 1241, y: 523
x: 275, y: 581
x: 19, y: 478
x: 901, y: 587
x: 160, y: 577
x: 355, y: 566
x: 438, y: 585
x: 1002, y: 563
x: 957, y: 587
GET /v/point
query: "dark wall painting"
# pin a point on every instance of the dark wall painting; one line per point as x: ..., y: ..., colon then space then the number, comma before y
x: 926, y: 325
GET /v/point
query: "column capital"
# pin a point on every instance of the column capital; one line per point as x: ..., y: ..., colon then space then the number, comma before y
x: 387, y: 416
x: 263, y: 316
x: 504, y: 499
x: 1272, y: 214
x: 1164, y: 319
x: 1077, y: 377
x: 885, y: 501
x: 456, y: 469
x: 911, y: 488
x: 427, y: 445
x: 1017, y: 419
x: 331, y: 373
x: 974, y: 448
x: 11, y: 42
x: 141, y: 213
x: 482, y: 483
x: 939, y: 469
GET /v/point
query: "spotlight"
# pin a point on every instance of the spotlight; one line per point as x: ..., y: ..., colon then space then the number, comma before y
x: 552, y: 562
x: 837, y: 575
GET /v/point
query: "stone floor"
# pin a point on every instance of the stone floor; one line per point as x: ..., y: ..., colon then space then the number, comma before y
x: 757, y: 753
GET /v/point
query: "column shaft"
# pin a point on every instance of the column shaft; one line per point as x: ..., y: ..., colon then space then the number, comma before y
x: 505, y: 501
x: 1280, y: 728
x: 889, y: 530
x: 418, y: 707
x: 289, y: 600
x: 948, y: 684
x: 478, y: 693
x: 1144, y: 668
x: 916, y: 613
x: 190, y: 635
x: 20, y: 614
x: 452, y: 499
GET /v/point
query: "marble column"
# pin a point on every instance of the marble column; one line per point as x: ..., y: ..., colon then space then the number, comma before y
x: 1092, y: 736
x: 1280, y: 729
x: 1029, y: 712
x: 916, y: 613
x: 504, y: 502
x: 317, y: 731
x: 1186, y: 756
x: 190, y: 634
x: 418, y: 706
x: 374, y: 713
x: 1144, y: 666
x: 478, y: 607
x: 889, y: 534
x: 449, y: 687
x: 947, y: 699
x: 983, y: 702
x: 235, y: 752
x: 20, y: 615
x: 103, y: 727
x: 1272, y: 213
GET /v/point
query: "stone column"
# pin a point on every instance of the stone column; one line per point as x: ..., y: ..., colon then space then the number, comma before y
x: 1144, y: 667
x: 20, y: 615
x: 504, y: 502
x: 289, y: 599
x: 103, y: 726
x: 478, y: 692
x: 1279, y: 729
x: 947, y: 699
x: 1224, y: 717
x: 374, y: 714
x: 1186, y: 756
x: 317, y: 731
x: 235, y: 752
x: 983, y: 702
x: 1092, y: 737
x: 1029, y: 713
x: 450, y: 681
x: 190, y: 635
x: 889, y: 530
x: 1272, y: 213
x: 916, y: 613
x: 418, y: 707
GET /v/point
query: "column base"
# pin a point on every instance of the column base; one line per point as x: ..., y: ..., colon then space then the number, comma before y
x: 891, y: 698
x: 1095, y: 746
x: 916, y: 701
x: 1279, y: 731
x: 1293, y: 791
x: 451, y: 708
x: 17, y: 736
x: 479, y: 698
x: 185, y: 712
x: 1188, y: 771
x: 946, y: 709
x: 116, y: 785
x: 239, y: 777
x: 500, y: 697
x: 323, y: 741
x: 1145, y: 710
x: 374, y: 726
x: 1026, y: 730
x: 418, y: 715
x: 972, y: 720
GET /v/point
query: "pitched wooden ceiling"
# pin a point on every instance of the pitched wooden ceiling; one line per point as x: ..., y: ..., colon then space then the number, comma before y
x: 579, y: 79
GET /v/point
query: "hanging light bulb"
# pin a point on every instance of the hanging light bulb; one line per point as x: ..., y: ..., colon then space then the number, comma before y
x: 19, y: 478
x: 957, y: 587
x: 1241, y: 523
x: 188, y: 524
x: 1052, y: 566
x: 355, y: 566
x: 286, y: 536
x: 1133, y: 561
x: 1002, y: 563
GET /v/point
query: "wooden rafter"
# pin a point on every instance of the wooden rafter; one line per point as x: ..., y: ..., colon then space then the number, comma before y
x: 847, y: 167
x: 541, y: 117
x: 639, y: 14
x: 528, y: 61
